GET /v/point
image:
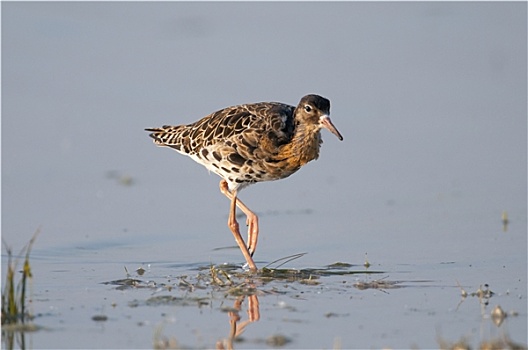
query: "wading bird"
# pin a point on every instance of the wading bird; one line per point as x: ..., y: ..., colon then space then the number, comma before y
x: 251, y: 143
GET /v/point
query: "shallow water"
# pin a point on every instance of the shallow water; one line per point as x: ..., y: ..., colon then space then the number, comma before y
x: 430, y: 99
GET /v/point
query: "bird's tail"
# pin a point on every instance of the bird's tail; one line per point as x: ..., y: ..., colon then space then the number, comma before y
x: 167, y: 135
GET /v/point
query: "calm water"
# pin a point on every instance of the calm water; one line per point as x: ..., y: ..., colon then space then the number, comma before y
x: 431, y: 101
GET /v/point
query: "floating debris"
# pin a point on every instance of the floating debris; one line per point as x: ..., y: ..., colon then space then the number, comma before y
x: 99, y: 318
x: 333, y: 314
x: 366, y: 264
x: 131, y: 282
x: 216, y: 276
x: 505, y: 221
x: 377, y: 284
x: 481, y: 293
x: 278, y: 340
x: 462, y: 344
x: 285, y: 260
x: 498, y: 315
x: 502, y: 343
x: 462, y: 291
x: 339, y: 265
x: 20, y: 328
x: 312, y: 280
x: 171, y: 300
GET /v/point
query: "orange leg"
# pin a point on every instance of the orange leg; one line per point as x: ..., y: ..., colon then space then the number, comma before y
x: 252, y: 221
x: 252, y: 218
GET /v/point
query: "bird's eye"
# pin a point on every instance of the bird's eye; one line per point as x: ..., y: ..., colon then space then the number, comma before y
x: 307, y: 108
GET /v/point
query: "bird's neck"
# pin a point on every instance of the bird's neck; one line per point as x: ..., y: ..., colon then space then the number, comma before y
x: 304, y: 145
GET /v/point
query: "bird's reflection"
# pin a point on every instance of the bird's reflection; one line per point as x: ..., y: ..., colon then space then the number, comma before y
x: 237, y: 327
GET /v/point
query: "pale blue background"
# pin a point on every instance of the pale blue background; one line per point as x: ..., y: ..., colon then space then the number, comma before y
x: 430, y: 99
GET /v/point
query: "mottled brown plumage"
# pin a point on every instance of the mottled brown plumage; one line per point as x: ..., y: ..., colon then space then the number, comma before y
x: 250, y: 143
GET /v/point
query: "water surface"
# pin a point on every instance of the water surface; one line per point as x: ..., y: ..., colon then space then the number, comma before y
x: 430, y: 99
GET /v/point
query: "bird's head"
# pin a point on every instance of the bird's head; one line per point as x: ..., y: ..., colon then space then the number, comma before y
x: 315, y: 110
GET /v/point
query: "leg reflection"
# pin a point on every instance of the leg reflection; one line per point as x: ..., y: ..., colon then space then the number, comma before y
x: 236, y: 328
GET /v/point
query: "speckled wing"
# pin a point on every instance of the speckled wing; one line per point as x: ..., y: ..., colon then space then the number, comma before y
x: 229, y: 142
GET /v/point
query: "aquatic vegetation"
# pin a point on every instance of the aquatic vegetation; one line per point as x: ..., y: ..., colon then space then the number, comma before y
x: 244, y: 298
x: 500, y: 343
x: 16, y: 318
